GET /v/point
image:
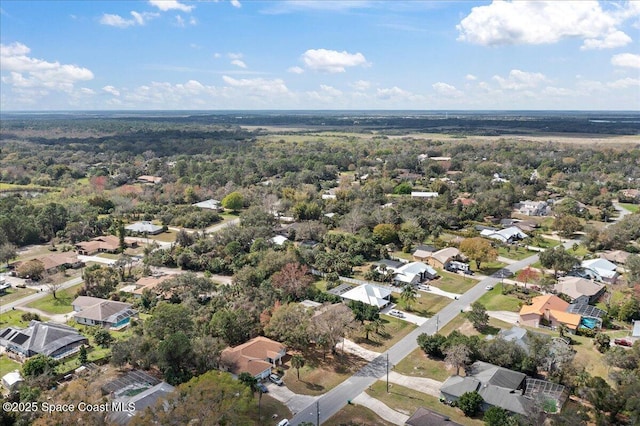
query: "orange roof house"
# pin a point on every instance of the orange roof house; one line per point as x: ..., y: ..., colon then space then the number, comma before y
x: 256, y: 357
x: 551, y: 309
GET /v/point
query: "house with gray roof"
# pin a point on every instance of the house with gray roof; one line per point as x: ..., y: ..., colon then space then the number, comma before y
x: 54, y: 340
x: 136, y: 404
x: 102, y: 312
x: 425, y: 417
x: 210, y: 204
x: 501, y: 387
x: 144, y: 228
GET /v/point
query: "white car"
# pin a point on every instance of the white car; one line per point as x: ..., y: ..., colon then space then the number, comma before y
x: 276, y: 379
x: 489, y: 287
x: 395, y: 313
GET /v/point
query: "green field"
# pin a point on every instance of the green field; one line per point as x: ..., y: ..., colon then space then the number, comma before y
x: 426, y: 305
x: 7, y: 365
x: 494, y: 300
x: 453, y: 283
x: 633, y: 208
x: 14, y: 318
x: 14, y: 294
x: 394, y: 330
x: 420, y: 365
x: 60, y: 305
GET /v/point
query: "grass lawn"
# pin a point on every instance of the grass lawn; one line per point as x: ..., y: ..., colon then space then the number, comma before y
x: 516, y: 253
x: 7, y: 365
x: 494, y: 300
x: 394, y: 330
x: 463, y: 325
x: 489, y: 268
x: 418, y: 364
x: 15, y: 293
x: 633, y: 208
x: 548, y: 243
x: 14, y: 318
x: 580, y: 252
x: 165, y: 237
x: 271, y: 410
x: 453, y: 283
x: 426, y: 305
x: 356, y: 415
x: 60, y: 305
x: 321, y: 374
x: 588, y: 357
x: 402, y: 255
x: 407, y: 400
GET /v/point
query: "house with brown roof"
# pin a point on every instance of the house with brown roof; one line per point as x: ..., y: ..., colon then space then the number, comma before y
x: 580, y: 290
x: 149, y: 283
x: 440, y: 258
x: 149, y: 179
x: 551, y: 310
x: 102, y: 312
x: 616, y: 256
x: 256, y: 357
x: 55, y: 261
x: 104, y: 244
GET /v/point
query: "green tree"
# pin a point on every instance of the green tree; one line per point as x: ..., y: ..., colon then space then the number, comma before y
x: 567, y: 225
x: 175, y: 357
x: 168, y: 319
x: 214, y: 398
x: 8, y: 251
x: 297, y: 362
x: 496, y: 416
x: 385, y: 233
x: 602, y: 342
x: 249, y: 381
x: 470, y: 403
x: 629, y: 310
x: 403, y: 188
x: 558, y: 259
x: 103, y: 338
x: 409, y: 295
x: 432, y: 345
x: 479, y: 250
x: 82, y: 357
x: 234, y: 201
x: 632, y: 265
x: 38, y: 365
x: 290, y: 324
x: 478, y: 316
x: 99, y: 281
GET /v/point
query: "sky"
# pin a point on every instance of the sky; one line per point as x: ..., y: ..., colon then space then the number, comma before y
x: 319, y: 54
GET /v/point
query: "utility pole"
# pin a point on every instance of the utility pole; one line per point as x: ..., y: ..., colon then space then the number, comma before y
x: 436, y: 324
x: 317, y: 412
x: 387, y: 372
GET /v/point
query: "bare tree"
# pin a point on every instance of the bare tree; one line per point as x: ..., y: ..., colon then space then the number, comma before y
x: 457, y: 356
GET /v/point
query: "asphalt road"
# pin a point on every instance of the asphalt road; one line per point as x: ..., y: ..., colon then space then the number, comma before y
x: 333, y: 401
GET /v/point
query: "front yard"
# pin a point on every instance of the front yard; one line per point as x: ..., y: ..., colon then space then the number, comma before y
x: 426, y: 305
x: 453, y: 283
x: 14, y: 319
x: 356, y: 415
x: 494, y: 300
x: 392, y: 331
x: 407, y: 400
x: 15, y: 293
x: 8, y: 365
x: 60, y: 305
x: 418, y: 364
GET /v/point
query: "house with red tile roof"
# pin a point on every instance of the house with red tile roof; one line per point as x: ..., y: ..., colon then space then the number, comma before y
x: 256, y: 357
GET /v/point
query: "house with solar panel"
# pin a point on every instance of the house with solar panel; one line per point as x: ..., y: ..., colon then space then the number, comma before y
x: 105, y: 313
x: 41, y: 338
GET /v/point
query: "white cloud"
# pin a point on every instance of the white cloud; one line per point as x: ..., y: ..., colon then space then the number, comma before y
x: 258, y: 86
x: 542, y: 22
x: 37, y: 75
x: 447, y: 90
x: 326, y: 94
x: 331, y: 60
x: 236, y: 3
x: 626, y: 60
x: 393, y: 93
x: 471, y: 77
x: 331, y: 91
x: 295, y: 70
x: 361, y: 85
x: 120, y: 22
x: 87, y: 91
x: 624, y: 83
x: 518, y: 80
x: 165, y: 5
x: 610, y: 41
x: 234, y: 55
x: 112, y: 90
x: 179, y: 21
x: 238, y: 63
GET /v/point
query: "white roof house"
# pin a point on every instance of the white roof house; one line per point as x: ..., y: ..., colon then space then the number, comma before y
x: 505, y: 235
x: 369, y: 294
x: 602, y: 267
x: 636, y: 329
x: 279, y: 240
x: 423, y: 194
x: 12, y: 380
x: 208, y: 204
x: 414, y: 273
x: 144, y: 227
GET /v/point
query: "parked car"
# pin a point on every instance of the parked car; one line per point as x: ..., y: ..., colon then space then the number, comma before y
x: 489, y: 287
x: 395, y: 313
x: 262, y: 388
x: 283, y: 422
x: 276, y: 379
x: 623, y: 342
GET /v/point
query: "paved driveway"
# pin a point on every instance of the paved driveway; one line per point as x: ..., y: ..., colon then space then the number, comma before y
x: 293, y: 401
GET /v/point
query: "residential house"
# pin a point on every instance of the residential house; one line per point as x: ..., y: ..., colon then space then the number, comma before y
x: 104, y: 244
x: 425, y: 417
x: 256, y: 357
x: 12, y: 381
x: 210, y: 204
x: 533, y: 208
x: 506, y: 235
x: 414, y: 273
x: 278, y: 240
x: 440, y: 258
x: 370, y: 294
x: 44, y: 338
x: 504, y: 388
x: 423, y: 194
x: 149, y: 283
x: 144, y: 228
x: 149, y: 179
x: 102, y: 312
x: 618, y: 257
x: 580, y: 290
x: 629, y: 196
x: 135, y: 403
x: 551, y: 310
x: 423, y: 252
x: 388, y: 264
x: 605, y: 270
x: 54, y: 262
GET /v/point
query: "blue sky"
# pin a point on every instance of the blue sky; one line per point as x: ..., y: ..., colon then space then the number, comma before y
x: 320, y: 54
